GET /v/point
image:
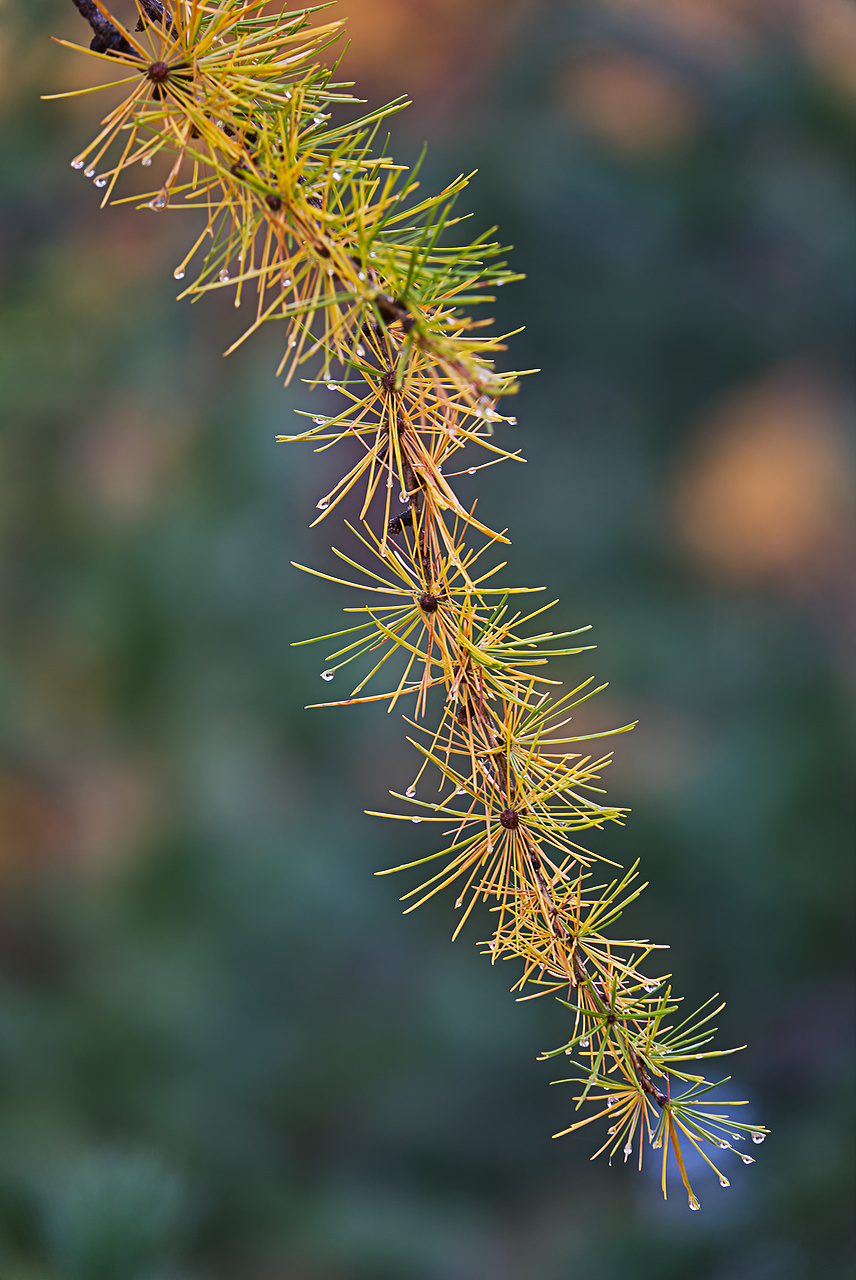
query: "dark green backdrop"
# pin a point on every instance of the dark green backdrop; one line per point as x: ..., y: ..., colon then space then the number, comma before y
x: 224, y: 1055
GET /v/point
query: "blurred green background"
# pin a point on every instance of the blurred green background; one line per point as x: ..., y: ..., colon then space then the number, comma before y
x: 224, y: 1055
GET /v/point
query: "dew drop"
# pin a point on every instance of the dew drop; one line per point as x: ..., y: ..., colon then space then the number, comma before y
x: 319, y: 422
x: 402, y: 497
x: 293, y: 342
x: 178, y: 274
x: 512, y: 422
x: 332, y: 386
x: 361, y: 351
x: 330, y: 271
x: 322, y: 505
x: 159, y: 202
x: 611, y: 1132
x: 568, y: 1052
x: 726, y: 1146
x: 628, y: 1150
x: 694, y: 1204
x: 500, y: 283
x: 471, y: 471
x: 723, y: 1181
x: 100, y: 182
x: 415, y: 819
x: 699, y: 1056
x: 410, y: 792
x: 747, y: 1159
x: 657, y: 1144
x: 758, y: 1138
x: 372, y: 253
x: 89, y: 173
x: 286, y: 281
x: 288, y: 94
x: 146, y: 162
x: 389, y: 484
x: 460, y: 903
x: 460, y: 791
x: 318, y: 119
x: 223, y: 276
x: 650, y: 986
x: 77, y: 163
x: 611, y: 1102
x: 584, y: 1044
x: 327, y: 675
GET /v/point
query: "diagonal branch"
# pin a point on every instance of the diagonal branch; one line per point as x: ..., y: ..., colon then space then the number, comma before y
x: 106, y: 38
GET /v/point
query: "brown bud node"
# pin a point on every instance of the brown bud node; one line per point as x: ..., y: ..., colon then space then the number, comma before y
x: 428, y: 603
x: 510, y: 819
x: 274, y: 203
x: 158, y: 73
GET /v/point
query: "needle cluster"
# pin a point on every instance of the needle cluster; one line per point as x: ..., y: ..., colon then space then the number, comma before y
x: 309, y: 222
